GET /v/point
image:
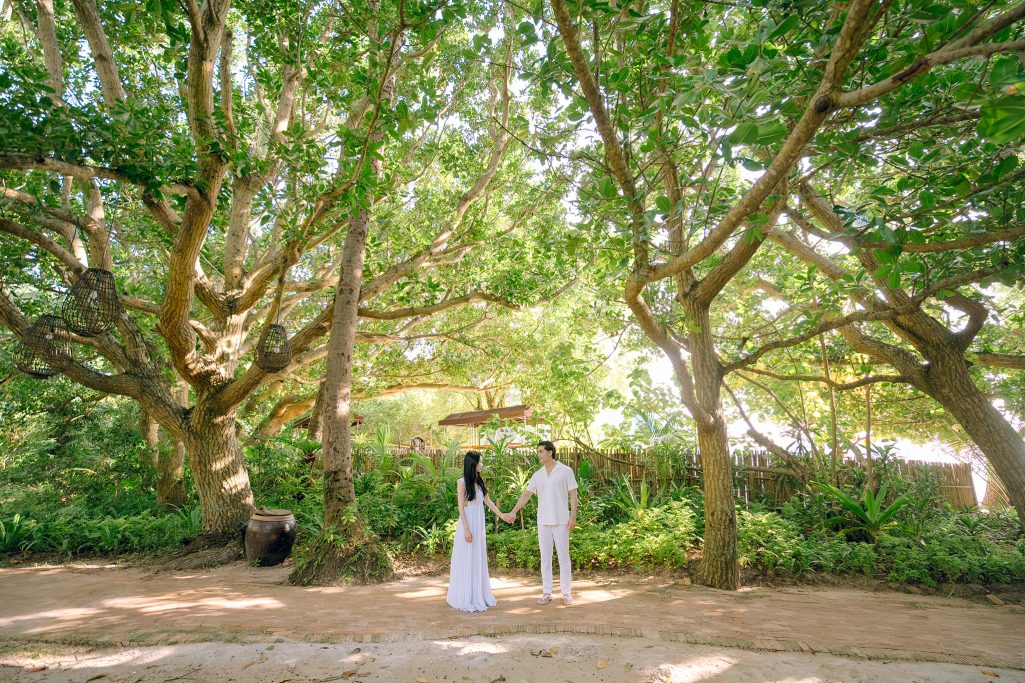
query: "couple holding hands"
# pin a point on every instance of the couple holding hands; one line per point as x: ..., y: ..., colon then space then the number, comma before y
x: 555, y: 486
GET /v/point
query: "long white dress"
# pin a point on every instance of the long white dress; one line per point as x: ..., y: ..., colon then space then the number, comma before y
x: 469, y: 586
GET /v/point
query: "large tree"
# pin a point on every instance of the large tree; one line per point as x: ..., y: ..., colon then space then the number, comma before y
x: 214, y: 157
x: 682, y: 96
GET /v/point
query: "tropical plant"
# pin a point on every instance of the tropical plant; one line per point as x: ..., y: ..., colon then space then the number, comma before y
x: 516, y: 484
x: 634, y: 503
x: 869, y: 515
x: 437, y: 539
x: 14, y: 533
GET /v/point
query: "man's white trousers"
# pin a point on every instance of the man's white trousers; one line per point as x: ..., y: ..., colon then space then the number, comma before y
x: 557, y: 535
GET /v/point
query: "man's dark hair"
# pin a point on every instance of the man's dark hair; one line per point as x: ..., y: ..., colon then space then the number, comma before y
x: 548, y: 446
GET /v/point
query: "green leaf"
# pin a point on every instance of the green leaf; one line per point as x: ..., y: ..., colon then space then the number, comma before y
x: 1006, y: 71
x: 663, y: 204
x: 785, y: 26
x: 769, y: 133
x: 744, y: 133
x: 885, y: 256
x: 913, y: 266
x: 1003, y: 120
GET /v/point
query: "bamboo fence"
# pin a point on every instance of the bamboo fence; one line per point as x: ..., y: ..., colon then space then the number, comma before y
x: 758, y: 475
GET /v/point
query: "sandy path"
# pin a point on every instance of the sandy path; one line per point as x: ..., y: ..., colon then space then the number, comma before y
x: 577, y: 659
x: 216, y: 621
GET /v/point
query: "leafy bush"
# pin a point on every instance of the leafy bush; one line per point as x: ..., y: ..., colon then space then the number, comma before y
x: 72, y: 533
x: 834, y: 555
x: 438, y: 539
x: 942, y: 556
x: 15, y: 533
x: 654, y: 538
x: 809, y: 510
x: 766, y: 540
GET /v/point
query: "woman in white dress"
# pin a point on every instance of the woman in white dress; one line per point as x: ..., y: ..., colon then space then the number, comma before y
x: 469, y: 586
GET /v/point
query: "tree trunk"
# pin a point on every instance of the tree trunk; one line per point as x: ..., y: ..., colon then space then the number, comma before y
x: 170, y: 470
x: 719, y: 567
x: 168, y: 463
x: 151, y: 435
x: 171, y: 463
x: 315, y: 431
x: 834, y: 443
x: 951, y: 384
x: 339, y: 491
x: 222, y: 481
x: 871, y: 481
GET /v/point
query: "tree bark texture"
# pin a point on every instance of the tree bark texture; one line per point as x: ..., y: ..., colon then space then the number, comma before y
x: 339, y: 491
x: 950, y: 383
x: 171, y: 462
x: 218, y: 469
x: 719, y: 567
x: 316, y: 429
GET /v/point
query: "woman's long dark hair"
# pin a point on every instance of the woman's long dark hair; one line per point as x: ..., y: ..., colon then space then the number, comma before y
x: 471, y: 477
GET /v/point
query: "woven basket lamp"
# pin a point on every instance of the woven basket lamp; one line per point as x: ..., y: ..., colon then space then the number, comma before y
x: 273, y: 352
x: 30, y: 362
x: 49, y: 339
x: 92, y: 306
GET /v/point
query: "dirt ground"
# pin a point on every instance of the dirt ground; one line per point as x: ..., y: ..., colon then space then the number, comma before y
x: 513, y: 659
x: 239, y: 623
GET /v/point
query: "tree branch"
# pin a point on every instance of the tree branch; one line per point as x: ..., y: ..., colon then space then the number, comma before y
x: 736, y: 258
x: 999, y: 360
x: 820, y: 106
x: 88, y: 15
x: 966, y: 47
x: 414, y: 311
x: 840, y: 386
x: 84, y: 172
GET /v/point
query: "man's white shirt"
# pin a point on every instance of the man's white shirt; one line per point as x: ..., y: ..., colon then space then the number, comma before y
x: 552, y: 491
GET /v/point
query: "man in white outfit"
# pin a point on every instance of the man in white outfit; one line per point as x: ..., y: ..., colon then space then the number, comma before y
x: 556, y: 489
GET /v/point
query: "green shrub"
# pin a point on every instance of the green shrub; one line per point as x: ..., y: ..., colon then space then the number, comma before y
x: 436, y: 540
x: 658, y: 537
x: 903, y: 560
x: 72, y: 533
x: 834, y: 555
x: 517, y: 548
x: 15, y: 533
x: 654, y: 538
x: 948, y: 557
x: 766, y: 540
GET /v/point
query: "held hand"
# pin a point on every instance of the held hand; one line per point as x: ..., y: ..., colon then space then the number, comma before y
x: 468, y: 536
x: 510, y: 517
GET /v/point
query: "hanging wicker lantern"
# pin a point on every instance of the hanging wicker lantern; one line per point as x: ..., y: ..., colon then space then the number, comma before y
x: 29, y: 362
x: 49, y: 339
x: 273, y: 352
x: 92, y: 306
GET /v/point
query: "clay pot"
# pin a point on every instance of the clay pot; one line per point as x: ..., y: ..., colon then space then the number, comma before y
x: 268, y: 536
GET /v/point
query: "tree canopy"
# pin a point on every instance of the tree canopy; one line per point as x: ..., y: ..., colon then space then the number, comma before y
x: 811, y: 210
